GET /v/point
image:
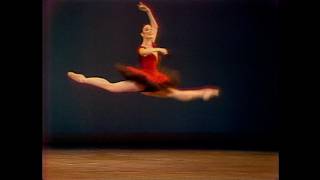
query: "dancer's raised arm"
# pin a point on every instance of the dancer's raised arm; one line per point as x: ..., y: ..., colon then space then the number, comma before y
x: 152, y: 20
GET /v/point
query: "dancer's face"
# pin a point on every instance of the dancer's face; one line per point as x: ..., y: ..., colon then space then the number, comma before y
x: 147, y: 32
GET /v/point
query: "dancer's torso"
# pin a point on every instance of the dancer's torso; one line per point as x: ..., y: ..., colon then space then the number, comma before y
x: 149, y: 62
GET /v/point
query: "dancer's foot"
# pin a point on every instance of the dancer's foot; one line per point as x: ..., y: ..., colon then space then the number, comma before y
x: 76, y: 77
x: 210, y: 93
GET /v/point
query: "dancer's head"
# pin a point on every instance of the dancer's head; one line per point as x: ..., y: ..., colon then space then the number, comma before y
x: 147, y: 32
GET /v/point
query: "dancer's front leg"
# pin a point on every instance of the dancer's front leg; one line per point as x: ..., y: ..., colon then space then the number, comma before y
x: 119, y: 87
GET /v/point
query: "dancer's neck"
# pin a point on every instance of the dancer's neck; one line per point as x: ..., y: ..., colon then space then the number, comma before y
x: 147, y: 43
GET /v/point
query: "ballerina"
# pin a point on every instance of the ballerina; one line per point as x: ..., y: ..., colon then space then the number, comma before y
x: 148, y: 79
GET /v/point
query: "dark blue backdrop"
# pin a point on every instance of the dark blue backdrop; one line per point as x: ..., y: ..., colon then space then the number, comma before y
x: 228, y: 43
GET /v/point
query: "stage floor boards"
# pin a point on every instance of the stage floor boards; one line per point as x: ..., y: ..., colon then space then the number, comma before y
x: 153, y: 164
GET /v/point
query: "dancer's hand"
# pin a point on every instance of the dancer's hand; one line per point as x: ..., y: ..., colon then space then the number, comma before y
x: 163, y: 51
x: 143, y: 7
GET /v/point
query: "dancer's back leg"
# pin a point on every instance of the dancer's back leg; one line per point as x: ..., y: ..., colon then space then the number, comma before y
x: 186, y: 95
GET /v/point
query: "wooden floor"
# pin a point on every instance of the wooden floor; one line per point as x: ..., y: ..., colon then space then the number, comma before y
x: 141, y: 164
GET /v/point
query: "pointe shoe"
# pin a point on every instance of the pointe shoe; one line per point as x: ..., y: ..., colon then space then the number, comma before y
x: 76, y: 77
x: 210, y: 93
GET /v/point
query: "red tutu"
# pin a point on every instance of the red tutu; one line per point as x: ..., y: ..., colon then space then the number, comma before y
x: 149, y: 74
